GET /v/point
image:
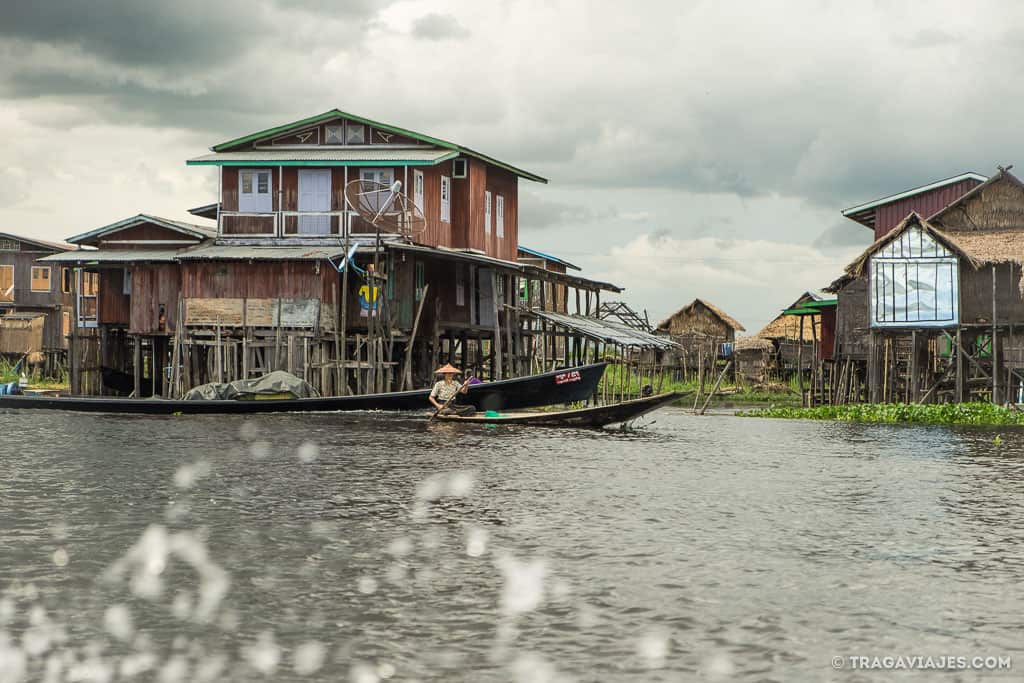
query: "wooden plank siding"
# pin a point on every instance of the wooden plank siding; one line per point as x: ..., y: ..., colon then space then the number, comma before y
x: 926, y: 204
x: 115, y: 307
x: 465, y: 230
x: 146, y: 233
x: 154, y: 285
x: 258, y: 280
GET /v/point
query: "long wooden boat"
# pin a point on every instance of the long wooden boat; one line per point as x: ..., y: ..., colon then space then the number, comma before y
x: 597, y: 416
x: 548, y: 388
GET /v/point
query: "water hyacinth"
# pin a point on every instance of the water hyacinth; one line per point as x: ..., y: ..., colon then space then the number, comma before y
x: 977, y: 413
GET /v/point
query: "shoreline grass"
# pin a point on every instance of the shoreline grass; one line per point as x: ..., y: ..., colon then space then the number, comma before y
x: 729, y: 393
x: 978, y: 413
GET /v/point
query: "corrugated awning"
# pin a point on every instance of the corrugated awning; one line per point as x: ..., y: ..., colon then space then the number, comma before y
x: 112, y: 256
x: 401, y: 156
x: 231, y: 252
x: 608, y: 331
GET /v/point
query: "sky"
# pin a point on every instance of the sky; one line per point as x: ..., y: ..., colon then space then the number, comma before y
x: 694, y: 149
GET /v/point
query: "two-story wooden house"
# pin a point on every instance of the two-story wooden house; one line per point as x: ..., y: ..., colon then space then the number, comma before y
x: 35, y: 300
x: 290, y: 277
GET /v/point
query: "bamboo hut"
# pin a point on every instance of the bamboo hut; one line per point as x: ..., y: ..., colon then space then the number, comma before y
x: 705, y: 334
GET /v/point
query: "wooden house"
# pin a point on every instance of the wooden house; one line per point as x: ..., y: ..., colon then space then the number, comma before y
x: 290, y: 277
x: 941, y: 300
x: 35, y: 300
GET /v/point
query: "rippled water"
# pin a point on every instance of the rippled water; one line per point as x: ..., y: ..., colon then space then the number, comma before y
x: 368, y: 547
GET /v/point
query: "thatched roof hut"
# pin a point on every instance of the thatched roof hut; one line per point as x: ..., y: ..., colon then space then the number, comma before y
x: 786, y: 326
x: 701, y: 318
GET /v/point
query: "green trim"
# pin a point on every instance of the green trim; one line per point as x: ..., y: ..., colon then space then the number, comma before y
x: 819, y: 304
x: 270, y: 162
x: 801, y: 311
x: 336, y: 113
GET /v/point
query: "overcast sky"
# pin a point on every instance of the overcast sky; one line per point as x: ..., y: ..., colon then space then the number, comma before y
x: 693, y: 148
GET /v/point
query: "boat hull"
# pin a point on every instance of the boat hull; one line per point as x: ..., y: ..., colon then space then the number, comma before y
x: 549, y: 388
x: 597, y: 416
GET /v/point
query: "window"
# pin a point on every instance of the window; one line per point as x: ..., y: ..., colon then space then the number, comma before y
x: 355, y: 134
x: 459, y: 168
x: 6, y: 283
x: 914, y: 282
x: 460, y: 285
x: 420, y: 280
x: 487, y: 213
x: 499, y: 210
x: 383, y: 176
x: 65, y: 280
x: 9, y: 245
x: 254, y: 191
x: 334, y: 134
x: 417, y: 189
x: 65, y: 326
x: 126, y: 289
x: 446, y: 199
x: 40, y: 278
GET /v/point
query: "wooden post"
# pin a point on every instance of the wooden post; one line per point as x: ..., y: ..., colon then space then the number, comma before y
x: 341, y: 352
x: 913, y: 389
x: 800, y: 362
x: 277, y: 339
x: 75, y: 351
x: 714, y: 389
x: 959, y: 365
x: 995, y: 348
x: 137, y: 369
x: 407, y: 369
x: 220, y: 355
x: 337, y: 342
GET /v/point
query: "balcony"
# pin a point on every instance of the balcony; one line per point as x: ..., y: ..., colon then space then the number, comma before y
x: 292, y: 224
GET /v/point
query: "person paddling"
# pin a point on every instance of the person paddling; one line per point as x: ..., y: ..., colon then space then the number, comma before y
x: 444, y: 395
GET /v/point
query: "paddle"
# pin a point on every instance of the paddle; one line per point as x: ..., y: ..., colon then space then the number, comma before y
x: 446, y: 403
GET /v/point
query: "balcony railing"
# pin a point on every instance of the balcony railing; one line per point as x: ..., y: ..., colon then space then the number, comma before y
x: 292, y: 224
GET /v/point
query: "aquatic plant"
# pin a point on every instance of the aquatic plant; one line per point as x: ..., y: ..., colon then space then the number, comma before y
x: 976, y: 413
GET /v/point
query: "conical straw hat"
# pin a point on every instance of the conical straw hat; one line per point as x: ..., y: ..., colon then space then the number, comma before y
x: 446, y: 369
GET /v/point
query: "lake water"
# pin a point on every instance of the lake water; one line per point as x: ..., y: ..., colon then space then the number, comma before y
x: 370, y: 548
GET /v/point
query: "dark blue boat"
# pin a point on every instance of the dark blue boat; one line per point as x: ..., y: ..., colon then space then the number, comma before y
x: 548, y: 388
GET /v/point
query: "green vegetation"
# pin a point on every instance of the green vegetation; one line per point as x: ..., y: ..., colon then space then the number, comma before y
x: 947, y: 413
x: 35, y: 380
x: 728, y: 392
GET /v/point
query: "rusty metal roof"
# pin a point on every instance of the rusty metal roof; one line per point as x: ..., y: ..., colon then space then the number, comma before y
x: 608, y: 331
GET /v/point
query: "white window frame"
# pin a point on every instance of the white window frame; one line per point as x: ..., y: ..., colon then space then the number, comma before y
x: 499, y: 215
x: 446, y: 199
x: 32, y: 279
x: 487, y: 212
x: 417, y: 189
x: 254, y: 202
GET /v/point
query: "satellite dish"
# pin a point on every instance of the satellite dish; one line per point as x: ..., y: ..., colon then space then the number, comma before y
x: 385, y: 207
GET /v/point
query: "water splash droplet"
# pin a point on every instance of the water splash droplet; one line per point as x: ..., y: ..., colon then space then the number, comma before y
x: 309, y: 657
x: 476, y: 542
x: 524, y: 584
x: 118, y: 622
x: 308, y: 452
x: 60, y: 557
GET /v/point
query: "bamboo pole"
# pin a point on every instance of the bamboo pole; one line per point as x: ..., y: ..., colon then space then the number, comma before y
x: 714, y: 389
x: 496, y: 361
x: 407, y: 369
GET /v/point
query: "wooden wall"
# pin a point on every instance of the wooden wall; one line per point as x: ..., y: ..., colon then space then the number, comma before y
x: 258, y: 280
x: 23, y: 262
x: 852, y: 329
x: 154, y: 285
x: 976, y: 294
x: 144, y: 231
x: 114, y: 304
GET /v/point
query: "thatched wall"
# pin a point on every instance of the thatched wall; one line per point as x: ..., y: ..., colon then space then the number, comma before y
x: 998, y: 205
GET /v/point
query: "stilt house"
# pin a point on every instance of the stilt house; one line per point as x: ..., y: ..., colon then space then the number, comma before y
x: 35, y: 301
x: 941, y: 299
x: 704, y: 333
x: 290, y: 277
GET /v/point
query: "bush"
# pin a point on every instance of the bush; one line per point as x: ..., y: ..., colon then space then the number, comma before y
x: 948, y: 413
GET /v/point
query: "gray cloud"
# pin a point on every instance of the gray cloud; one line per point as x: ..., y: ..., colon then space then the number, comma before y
x: 438, y: 27
x: 842, y: 236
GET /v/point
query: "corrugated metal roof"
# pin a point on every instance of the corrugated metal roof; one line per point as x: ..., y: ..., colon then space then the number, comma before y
x: 329, y: 157
x: 37, y: 242
x: 197, y: 231
x: 231, y: 252
x: 916, y: 190
x: 337, y: 113
x: 87, y: 256
x: 549, y: 257
x: 608, y: 331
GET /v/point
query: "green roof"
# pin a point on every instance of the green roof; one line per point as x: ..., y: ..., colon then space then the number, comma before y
x: 336, y: 113
x: 802, y: 310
